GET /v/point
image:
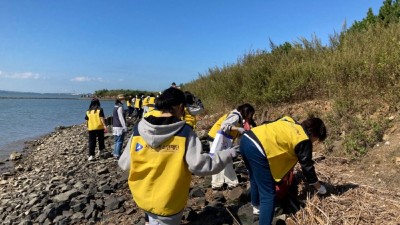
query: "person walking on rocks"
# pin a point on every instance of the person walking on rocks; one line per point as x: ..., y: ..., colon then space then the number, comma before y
x: 129, y: 105
x: 119, y: 125
x: 232, y: 124
x: 164, y: 152
x: 96, y: 127
x: 271, y: 150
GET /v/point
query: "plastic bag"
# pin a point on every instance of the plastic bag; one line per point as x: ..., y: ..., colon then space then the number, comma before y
x: 221, y: 142
x: 124, y: 162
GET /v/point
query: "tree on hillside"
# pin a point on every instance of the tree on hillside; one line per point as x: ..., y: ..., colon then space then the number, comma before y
x: 283, y: 48
x: 389, y: 13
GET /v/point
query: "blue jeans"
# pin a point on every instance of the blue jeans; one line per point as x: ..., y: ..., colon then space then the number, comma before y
x: 119, y: 139
x: 262, y: 185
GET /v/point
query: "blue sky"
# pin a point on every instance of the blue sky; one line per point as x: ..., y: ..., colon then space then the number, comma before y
x: 87, y: 45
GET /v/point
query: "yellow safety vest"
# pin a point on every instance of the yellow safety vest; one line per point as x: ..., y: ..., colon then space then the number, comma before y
x: 154, y: 112
x: 137, y: 103
x: 159, y: 178
x: 94, y: 121
x: 145, y: 101
x: 152, y: 103
x: 278, y: 140
x: 128, y: 103
x: 217, y: 126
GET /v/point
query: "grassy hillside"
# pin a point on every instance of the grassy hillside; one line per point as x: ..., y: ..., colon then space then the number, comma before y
x: 358, y: 71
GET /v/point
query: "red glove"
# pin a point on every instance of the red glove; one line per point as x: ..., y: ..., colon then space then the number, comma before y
x: 246, y: 125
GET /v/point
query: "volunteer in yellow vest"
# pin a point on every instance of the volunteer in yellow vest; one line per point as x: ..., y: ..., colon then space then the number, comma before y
x: 96, y: 127
x: 137, y: 106
x: 164, y: 153
x: 152, y: 102
x: 129, y: 105
x: 232, y: 124
x: 271, y: 150
x: 192, y: 109
x: 145, y: 105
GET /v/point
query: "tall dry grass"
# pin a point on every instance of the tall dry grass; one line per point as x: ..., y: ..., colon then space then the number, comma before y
x: 353, y: 68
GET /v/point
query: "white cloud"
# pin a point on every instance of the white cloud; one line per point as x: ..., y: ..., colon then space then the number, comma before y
x: 24, y: 75
x: 80, y: 79
x: 86, y: 79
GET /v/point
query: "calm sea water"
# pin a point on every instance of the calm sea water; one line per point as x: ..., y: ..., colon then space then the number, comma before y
x: 26, y: 116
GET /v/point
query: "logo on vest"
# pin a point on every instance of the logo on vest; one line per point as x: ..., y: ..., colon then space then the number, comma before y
x: 138, y: 147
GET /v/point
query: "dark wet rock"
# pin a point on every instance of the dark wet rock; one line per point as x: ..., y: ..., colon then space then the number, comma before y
x: 57, y: 185
x: 90, y: 210
x: 103, y: 170
x: 200, y: 203
x: 245, y: 214
x: 77, y: 216
x: 196, y: 192
x: 112, y: 203
x: 66, y: 196
x: 106, y: 189
x: 99, y: 204
x: 78, y: 207
x: 236, y: 193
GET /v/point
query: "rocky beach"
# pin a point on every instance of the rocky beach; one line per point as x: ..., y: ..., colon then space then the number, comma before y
x: 52, y: 182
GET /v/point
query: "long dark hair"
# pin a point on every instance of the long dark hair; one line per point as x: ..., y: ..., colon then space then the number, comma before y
x: 315, y: 127
x: 94, y: 104
x: 169, y: 98
x: 246, y: 110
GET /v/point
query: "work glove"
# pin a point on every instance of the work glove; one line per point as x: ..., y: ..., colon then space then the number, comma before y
x: 233, y: 151
x: 241, y: 130
x: 322, y: 190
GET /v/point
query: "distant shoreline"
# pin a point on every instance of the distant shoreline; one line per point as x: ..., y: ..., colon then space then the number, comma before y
x: 64, y: 98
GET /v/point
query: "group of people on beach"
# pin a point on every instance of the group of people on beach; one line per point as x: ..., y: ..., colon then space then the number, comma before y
x: 164, y: 151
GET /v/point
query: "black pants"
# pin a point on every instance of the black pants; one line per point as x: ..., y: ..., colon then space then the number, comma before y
x: 130, y: 110
x: 93, y: 134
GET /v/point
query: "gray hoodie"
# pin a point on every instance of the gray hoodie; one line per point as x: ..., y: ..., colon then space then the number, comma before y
x: 198, y: 163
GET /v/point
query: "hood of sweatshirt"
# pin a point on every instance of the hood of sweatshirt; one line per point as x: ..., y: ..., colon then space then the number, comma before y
x: 156, y: 134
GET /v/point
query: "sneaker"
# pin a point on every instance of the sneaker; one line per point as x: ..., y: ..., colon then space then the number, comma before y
x: 256, y: 210
x: 91, y: 158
